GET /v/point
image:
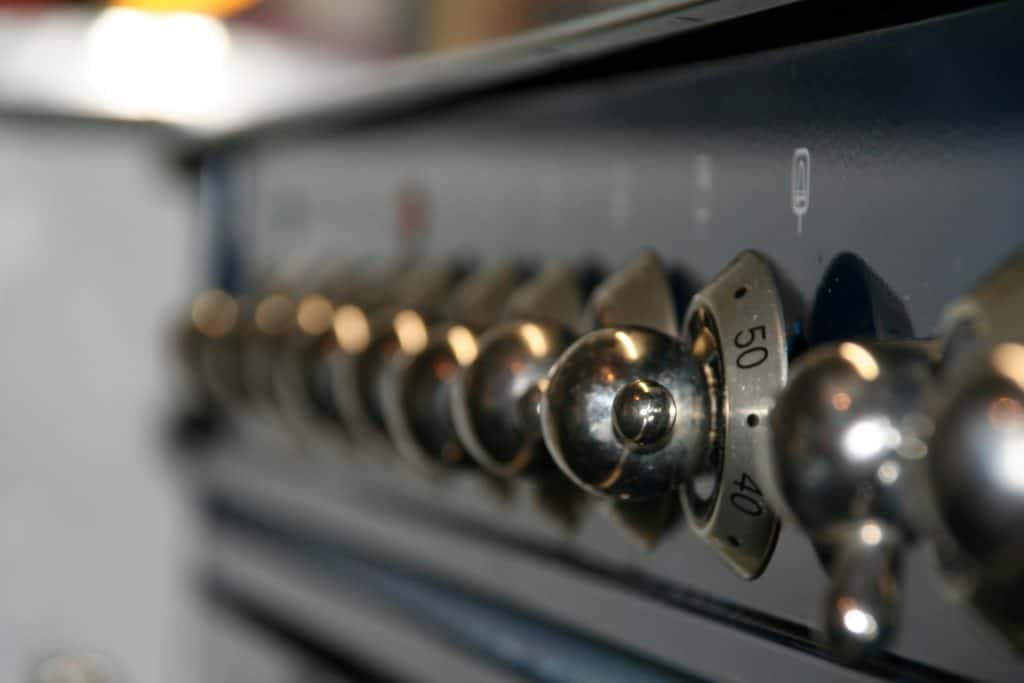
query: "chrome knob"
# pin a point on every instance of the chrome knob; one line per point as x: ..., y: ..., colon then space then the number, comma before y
x: 879, y: 446
x: 417, y: 403
x: 302, y: 373
x: 627, y: 413
x: 636, y: 411
x: 976, y: 456
x: 370, y: 335
x: 864, y: 596
x: 418, y: 399
x: 846, y: 435
x: 496, y: 403
x: 644, y: 414
x: 977, y: 463
x: 217, y: 316
x: 273, y: 319
x: 849, y: 466
x: 634, y: 312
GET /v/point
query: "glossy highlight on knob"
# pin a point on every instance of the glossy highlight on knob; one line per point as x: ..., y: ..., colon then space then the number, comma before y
x: 862, y: 607
x: 418, y: 407
x: 496, y: 403
x: 627, y: 413
x: 644, y: 414
x: 848, y: 434
x: 977, y: 464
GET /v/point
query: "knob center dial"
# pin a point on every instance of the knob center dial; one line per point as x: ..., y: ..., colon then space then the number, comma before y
x: 627, y: 413
x: 644, y: 414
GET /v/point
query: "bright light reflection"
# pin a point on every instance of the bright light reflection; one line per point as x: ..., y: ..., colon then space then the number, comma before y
x: 534, y: 338
x: 1008, y: 360
x: 411, y: 331
x: 214, y: 313
x: 869, y: 437
x: 871, y: 534
x: 352, y: 329
x: 841, y: 401
x: 463, y: 345
x: 1010, y: 455
x: 889, y: 472
x: 628, y: 345
x: 217, y: 7
x: 860, y: 623
x: 157, y: 65
x: 315, y: 314
x: 861, y: 360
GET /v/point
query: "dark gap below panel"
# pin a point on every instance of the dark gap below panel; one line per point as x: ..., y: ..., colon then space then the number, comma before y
x: 326, y: 547
x: 317, y: 651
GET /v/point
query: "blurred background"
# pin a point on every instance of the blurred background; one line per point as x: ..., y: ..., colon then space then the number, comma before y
x: 216, y: 64
x: 95, y: 239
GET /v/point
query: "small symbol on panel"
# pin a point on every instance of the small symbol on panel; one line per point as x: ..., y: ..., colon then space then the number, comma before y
x: 412, y: 215
x: 800, y: 185
x: 703, y: 172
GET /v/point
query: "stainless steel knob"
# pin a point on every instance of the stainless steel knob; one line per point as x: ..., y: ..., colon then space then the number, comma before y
x: 303, y: 373
x: 370, y: 335
x: 417, y: 403
x: 846, y: 435
x: 576, y: 409
x: 849, y: 465
x: 976, y: 463
x: 634, y: 411
x: 418, y: 399
x: 883, y: 445
x: 627, y: 413
x: 496, y: 403
x: 263, y: 335
x: 863, y: 600
x: 977, y: 451
x: 217, y: 317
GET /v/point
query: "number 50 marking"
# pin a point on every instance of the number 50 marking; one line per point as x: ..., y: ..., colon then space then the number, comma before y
x: 751, y: 356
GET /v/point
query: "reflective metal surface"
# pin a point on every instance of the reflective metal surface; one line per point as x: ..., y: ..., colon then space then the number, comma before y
x: 739, y: 328
x: 360, y: 378
x: 988, y: 314
x: 846, y: 434
x: 418, y: 396
x: 862, y: 608
x: 579, y: 416
x: 417, y: 406
x: 849, y: 463
x: 497, y: 401
x: 370, y: 336
x: 639, y: 294
x: 976, y: 463
x: 591, y: 170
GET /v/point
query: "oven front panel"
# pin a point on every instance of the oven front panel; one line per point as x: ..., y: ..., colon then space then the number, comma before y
x: 903, y: 146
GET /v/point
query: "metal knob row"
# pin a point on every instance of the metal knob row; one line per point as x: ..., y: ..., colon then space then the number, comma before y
x: 525, y: 379
x: 871, y: 447
x: 880, y: 446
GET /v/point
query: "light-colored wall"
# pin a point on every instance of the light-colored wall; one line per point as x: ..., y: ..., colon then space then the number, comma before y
x: 95, y: 234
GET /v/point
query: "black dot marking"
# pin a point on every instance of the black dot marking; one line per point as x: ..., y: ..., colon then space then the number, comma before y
x: 734, y: 541
x: 740, y: 293
x: 753, y: 420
